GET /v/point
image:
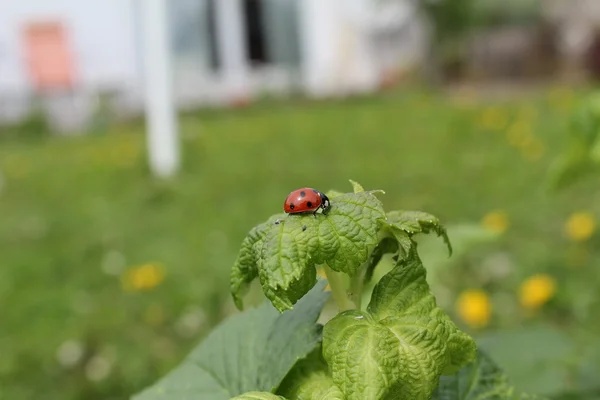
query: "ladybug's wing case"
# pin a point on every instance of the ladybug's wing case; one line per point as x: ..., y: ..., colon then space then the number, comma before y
x: 292, y: 204
x: 302, y: 200
x: 289, y: 204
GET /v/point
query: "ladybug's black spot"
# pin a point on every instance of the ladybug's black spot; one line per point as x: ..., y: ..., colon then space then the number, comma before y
x: 292, y: 206
x: 309, y: 203
x: 302, y: 194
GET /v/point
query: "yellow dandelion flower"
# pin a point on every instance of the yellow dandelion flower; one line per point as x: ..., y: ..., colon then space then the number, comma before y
x: 322, y: 274
x: 496, y: 221
x: 474, y: 308
x: 580, y: 226
x: 519, y: 134
x: 143, y: 277
x: 536, y: 291
x: 493, y: 118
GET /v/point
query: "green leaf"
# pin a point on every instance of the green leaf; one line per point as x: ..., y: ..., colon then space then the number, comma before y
x: 582, y: 150
x: 527, y: 396
x: 480, y: 380
x: 399, y: 358
x: 585, y: 122
x: 588, y: 368
x: 356, y: 186
x: 400, y: 346
x: 332, y: 194
x: 284, y: 251
x: 386, y: 246
x: 292, y: 336
x: 545, y: 369
x: 407, y: 245
x: 285, y: 270
x: 403, y: 291
x: 414, y: 222
x: 310, y: 380
x: 250, y: 351
x: 568, y: 169
x: 245, y: 269
x: 349, y: 233
x: 258, y: 396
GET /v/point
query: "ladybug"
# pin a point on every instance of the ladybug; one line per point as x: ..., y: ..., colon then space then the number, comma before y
x: 306, y: 200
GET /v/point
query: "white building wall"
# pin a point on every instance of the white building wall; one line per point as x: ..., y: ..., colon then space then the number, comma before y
x: 335, y: 56
x: 577, y: 20
x: 338, y: 53
x: 349, y: 45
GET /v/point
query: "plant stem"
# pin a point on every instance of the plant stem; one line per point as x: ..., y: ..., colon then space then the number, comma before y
x: 338, y: 289
x: 356, y: 288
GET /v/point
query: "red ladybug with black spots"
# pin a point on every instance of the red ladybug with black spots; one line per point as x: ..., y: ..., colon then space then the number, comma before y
x: 306, y: 200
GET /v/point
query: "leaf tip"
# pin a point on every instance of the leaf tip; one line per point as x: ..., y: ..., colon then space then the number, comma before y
x: 448, y: 244
x: 332, y: 194
x: 282, y: 305
x: 239, y: 303
x: 356, y: 186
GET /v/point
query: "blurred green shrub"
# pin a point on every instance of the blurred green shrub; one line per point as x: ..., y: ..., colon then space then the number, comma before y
x: 581, y: 157
x: 450, y: 22
x: 34, y: 125
x: 494, y: 13
x: 450, y: 18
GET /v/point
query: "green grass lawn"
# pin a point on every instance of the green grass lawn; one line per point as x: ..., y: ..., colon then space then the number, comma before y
x: 77, y: 213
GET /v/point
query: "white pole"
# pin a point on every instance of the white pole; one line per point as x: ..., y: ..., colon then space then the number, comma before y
x: 232, y: 48
x: 161, y: 119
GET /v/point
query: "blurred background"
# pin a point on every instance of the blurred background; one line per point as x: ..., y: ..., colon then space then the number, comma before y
x: 141, y: 140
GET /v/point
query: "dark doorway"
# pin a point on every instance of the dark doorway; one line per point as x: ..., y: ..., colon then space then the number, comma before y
x: 255, y: 32
x: 215, y: 61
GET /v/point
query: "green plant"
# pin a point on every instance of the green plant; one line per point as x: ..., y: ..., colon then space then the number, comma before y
x: 498, y: 13
x: 450, y: 22
x: 581, y: 158
x: 401, y: 346
x: 34, y: 125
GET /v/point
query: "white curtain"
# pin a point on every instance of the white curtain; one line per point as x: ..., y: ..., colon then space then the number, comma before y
x: 190, y: 35
x: 281, y: 32
x: 193, y: 49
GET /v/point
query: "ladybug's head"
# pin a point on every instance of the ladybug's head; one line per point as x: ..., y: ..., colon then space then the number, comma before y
x: 325, y: 203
